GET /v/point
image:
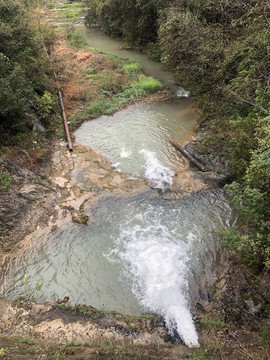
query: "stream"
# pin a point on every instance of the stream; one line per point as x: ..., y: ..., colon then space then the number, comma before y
x: 144, y: 251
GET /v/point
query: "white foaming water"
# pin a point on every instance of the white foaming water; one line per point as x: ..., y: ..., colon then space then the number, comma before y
x: 158, y: 265
x: 158, y: 176
x: 180, y: 92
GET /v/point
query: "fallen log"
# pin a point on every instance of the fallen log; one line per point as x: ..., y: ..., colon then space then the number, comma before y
x: 65, y: 121
x: 187, y: 155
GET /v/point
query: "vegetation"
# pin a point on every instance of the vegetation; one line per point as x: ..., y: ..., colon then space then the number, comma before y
x: 135, y: 20
x: 221, y: 50
x: 25, y: 74
x: 113, y: 82
x: 5, y: 182
x: 212, y: 321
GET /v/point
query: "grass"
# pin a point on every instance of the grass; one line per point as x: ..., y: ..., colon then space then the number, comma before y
x: 113, y: 82
x: 212, y: 321
x: 26, y: 340
x: 5, y: 182
x: 76, y: 37
x: 132, y: 67
x: 209, y: 353
x: 148, y: 84
x: 70, y: 14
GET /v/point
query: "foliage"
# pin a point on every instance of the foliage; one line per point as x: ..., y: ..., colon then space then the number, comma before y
x: 251, y: 198
x: 24, y: 66
x: 45, y: 105
x: 136, y: 20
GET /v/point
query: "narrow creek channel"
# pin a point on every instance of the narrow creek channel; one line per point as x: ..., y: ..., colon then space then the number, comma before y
x: 142, y: 252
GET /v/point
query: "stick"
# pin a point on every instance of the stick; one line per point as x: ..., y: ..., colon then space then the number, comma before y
x: 187, y: 154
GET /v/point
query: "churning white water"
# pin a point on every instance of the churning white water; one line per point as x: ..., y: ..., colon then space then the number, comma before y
x: 157, y: 175
x: 158, y: 265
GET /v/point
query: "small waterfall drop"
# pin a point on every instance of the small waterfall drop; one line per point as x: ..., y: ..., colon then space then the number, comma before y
x: 158, y: 176
x: 158, y: 266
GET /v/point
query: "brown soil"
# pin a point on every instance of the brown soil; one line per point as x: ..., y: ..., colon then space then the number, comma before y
x: 70, y: 66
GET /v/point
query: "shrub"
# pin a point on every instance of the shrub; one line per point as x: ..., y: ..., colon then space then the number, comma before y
x: 23, y: 64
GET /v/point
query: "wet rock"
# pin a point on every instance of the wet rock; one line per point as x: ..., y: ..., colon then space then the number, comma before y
x: 78, y: 217
x: 29, y: 203
x: 204, y: 295
x: 32, y: 192
x: 215, y: 165
x: 213, y: 178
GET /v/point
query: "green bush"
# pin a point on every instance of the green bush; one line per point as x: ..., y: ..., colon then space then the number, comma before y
x: 136, y: 20
x: 45, y: 105
x: 24, y: 66
x: 148, y: 84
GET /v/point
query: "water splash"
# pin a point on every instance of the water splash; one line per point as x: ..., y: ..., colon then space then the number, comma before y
x: 157, y: 265
x: 158, y: 176
x: 180, y: 92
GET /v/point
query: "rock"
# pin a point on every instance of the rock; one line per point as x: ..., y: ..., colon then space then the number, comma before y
x: 204, y: 295
x: 213, y: 178
x: 215, y: 165
x: 78, y: 217
x: 252, y: 308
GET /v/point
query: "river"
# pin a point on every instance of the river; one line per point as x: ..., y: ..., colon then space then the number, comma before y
x: 144, y: 251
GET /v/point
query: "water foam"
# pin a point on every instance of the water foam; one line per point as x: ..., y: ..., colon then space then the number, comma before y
x: 158, y: 176
x: 182, y: 92
x: 157, y: 265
